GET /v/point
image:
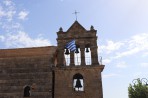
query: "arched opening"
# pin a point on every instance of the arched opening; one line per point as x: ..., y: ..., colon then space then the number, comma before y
x: 78, y: 82
x: 67, y: 56
x: 27, y: 91
x: 77, y: 56
x: 88, y: 60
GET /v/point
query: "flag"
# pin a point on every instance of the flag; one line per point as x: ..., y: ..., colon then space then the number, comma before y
x: 71, y: 45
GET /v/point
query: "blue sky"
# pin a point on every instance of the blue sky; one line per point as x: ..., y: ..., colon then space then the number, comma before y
x: 122, y: 27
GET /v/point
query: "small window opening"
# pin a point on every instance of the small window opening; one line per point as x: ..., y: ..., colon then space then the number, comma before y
x: 27, y: 91
x: 78, y: 82
x: 77, y: 57
x: 67, y: 56
x: 88, y: 56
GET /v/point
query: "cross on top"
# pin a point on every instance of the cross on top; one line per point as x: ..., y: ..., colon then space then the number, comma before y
x: 75, y: 14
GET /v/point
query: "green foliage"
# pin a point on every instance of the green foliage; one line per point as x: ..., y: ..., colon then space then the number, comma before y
x: 138, y: 90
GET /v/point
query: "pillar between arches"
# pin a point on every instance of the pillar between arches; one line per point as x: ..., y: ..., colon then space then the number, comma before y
x: 94, y: 55
x: 82, y: 56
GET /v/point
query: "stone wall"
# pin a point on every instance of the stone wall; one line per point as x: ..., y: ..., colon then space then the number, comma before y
x: 92, y: 82
x: 26, y: 66
x: 64, y: 75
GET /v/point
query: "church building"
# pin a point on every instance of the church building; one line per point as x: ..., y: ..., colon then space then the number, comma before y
x: 69, y: 70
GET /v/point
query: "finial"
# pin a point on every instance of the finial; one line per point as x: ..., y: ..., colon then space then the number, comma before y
x: 61, y: 29
x: 75, y: 14
x: 92, y: 27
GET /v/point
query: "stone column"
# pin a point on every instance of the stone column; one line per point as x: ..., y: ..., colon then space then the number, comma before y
x: 72, y: 59
x: 94, y: 56
x: 60, y: 58
x: 82, y: 56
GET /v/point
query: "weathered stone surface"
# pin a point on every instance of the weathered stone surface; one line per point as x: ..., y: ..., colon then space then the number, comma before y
x: 26, y: 66
x: 43, y: 69
x: 92, y: 81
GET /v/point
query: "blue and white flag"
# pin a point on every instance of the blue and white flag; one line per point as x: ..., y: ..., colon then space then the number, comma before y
x: 71, y: 45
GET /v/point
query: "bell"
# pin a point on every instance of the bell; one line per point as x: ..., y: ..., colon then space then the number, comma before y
x: 67, y: 52
x: 77, y: 51
x: 78, y: 84
x: 87, y: 50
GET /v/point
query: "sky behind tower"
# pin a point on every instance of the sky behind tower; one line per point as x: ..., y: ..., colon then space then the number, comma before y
x: 122, y: 27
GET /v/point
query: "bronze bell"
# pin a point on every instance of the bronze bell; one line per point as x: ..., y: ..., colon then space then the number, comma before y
x: 78, y: 84
x: 67, y: 52
x: 77, y: 51
x: 87, y: 50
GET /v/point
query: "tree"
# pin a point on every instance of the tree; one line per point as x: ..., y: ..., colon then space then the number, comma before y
x: 138, y: 90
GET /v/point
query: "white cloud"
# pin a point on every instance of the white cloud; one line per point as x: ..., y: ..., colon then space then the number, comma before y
x: 11, y: 27
x: 23, y: 15
x: 140, y: 41
x: 110, y: 75
x: 136, y: 44
x: 106, y: 61
x: 22, y: 39
x: 10, y: 14
x: 2, y: 38
x: 7, y: 2
x: 14, y: 35
x: 2, y: 13
x: 112, y: 46
x: 127, y: 53
x: 139, y: 75
x: 7, y: 10
x: 145, y: 65
x: 121, y: 64
x: 145, y: 54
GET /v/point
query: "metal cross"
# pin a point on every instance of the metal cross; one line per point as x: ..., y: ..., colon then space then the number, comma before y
x: 75, y: 14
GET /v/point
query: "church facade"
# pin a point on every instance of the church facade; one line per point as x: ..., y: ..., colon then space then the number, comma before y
x: 54, y: 71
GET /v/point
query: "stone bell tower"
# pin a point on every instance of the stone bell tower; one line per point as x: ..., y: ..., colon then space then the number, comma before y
x: 78, y: 73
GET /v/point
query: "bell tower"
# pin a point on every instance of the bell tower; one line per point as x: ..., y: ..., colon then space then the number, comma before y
x: 77, y: 73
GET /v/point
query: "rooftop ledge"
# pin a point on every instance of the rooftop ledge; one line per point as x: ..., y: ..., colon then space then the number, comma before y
x: 81, y: 67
